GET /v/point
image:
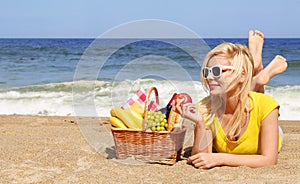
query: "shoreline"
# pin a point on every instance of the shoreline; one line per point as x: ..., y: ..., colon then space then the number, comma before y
x: 48, y: 149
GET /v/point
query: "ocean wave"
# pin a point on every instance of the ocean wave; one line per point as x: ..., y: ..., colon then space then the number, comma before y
x: 287, y: 97
x: 59, y: 98
x: 98, y: 97
x: 293, y: 63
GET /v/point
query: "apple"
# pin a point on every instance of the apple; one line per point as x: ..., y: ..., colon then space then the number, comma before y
x: 187, y: 98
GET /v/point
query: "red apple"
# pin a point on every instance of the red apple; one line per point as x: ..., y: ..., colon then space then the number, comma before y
x: 187, y: 98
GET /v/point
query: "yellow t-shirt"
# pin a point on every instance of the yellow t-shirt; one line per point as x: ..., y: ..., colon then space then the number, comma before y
x: 249, y: 143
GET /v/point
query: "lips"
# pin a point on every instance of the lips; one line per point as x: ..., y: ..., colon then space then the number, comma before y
x: 212, y: 86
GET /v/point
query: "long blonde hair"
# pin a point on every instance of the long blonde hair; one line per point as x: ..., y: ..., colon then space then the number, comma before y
x: 241, y: 60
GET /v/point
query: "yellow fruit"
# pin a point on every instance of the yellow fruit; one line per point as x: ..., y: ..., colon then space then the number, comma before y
x: 137, y: 107
x: 136, y: 115
x: 116, y: 122
x: 129, y: 118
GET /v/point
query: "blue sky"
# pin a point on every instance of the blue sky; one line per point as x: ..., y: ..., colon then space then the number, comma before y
x: 91, y: 18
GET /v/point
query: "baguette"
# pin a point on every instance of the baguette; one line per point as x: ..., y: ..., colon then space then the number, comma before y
x: 173, y: 119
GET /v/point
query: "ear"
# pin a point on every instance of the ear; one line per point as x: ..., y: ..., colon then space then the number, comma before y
x: 243, y: 77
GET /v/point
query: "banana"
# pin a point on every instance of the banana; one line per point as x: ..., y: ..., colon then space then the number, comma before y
x: 137, y: 107
x: 116, y: 122
x: 128, y: 117
x: 136, y: 115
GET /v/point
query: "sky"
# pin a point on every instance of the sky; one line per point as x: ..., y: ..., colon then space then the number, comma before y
x: 91, y: 18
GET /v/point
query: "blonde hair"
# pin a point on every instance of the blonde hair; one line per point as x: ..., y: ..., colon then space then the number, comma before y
x: 241, y: 60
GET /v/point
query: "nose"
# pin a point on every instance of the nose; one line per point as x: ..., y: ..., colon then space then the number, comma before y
x: 210, y: 75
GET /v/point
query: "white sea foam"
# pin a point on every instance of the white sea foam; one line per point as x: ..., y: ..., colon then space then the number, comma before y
x: 90, y: 98
x: 288, y: 98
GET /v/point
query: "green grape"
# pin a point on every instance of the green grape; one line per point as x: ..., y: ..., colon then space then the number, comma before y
x: 157, y: 121
x: 158, y: 128
x: 153, y: 128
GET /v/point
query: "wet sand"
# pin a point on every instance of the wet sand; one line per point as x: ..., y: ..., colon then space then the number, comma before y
x: 38, y: 149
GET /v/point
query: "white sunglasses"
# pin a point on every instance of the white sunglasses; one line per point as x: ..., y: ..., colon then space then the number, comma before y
x: 216, y: 71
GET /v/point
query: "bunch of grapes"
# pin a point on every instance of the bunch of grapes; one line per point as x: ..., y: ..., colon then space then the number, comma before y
x: 157, y: 121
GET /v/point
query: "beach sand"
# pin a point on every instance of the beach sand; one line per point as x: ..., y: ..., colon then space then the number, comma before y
x: 37, y: 149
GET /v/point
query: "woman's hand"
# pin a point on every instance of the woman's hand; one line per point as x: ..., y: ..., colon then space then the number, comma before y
x: 204, y: 160
x: 188, y: 110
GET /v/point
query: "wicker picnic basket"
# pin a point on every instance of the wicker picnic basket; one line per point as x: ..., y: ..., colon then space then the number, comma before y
x: 163, y: 147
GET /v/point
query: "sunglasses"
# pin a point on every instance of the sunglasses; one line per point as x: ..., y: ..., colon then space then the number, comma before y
x: 216, y: 71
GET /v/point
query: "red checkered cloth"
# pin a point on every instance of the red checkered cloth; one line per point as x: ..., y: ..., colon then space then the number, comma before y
x: 140, y: 97
x: 153, y: 106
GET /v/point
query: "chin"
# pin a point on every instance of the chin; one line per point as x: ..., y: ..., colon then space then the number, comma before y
x: 213, y: 94
x: 216, y: 93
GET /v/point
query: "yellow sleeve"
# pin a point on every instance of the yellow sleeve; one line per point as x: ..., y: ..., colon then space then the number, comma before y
x: 265, y: 103
x: 269, y: 104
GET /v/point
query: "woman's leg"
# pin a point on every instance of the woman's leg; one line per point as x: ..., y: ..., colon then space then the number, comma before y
x: 263, y: 75
x: 277, y: 66
x: 255, y: 45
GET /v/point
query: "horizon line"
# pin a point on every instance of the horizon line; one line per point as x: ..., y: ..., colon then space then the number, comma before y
x: 141, y: 38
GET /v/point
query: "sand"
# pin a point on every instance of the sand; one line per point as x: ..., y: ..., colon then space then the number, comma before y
x: 38, y: 149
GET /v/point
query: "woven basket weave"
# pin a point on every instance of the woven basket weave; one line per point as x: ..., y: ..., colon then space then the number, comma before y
x: 163, y: 147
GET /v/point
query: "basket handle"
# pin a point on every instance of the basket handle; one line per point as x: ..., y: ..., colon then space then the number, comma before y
x: 152, y: 89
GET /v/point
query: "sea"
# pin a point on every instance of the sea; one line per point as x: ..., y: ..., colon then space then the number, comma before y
x: 87, y: 77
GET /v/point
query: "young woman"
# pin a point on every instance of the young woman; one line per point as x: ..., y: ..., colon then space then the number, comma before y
x: 241, y: 126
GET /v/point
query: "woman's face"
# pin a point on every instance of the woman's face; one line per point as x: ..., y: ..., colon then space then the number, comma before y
x: 218, y: 78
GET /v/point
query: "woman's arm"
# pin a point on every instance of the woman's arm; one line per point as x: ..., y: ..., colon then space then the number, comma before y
x: 269, y: 137
x: 202, y: 139
x: 268, y: 156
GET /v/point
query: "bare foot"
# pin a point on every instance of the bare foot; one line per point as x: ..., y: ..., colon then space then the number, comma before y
x: 277, y: 66
x: 255, y: 44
